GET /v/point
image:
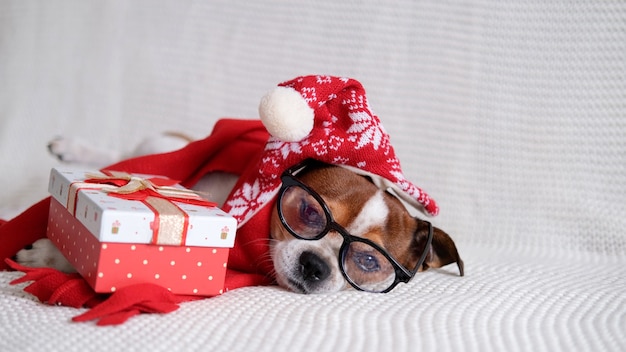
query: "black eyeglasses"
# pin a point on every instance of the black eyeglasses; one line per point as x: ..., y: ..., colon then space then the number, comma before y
x: 363, y: 263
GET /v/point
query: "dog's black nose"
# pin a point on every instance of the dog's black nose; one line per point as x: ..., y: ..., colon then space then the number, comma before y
x: 312, y: 267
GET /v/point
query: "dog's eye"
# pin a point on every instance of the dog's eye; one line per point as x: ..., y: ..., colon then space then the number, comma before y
x: 311, y: 215
x: 302, y: 213
x: 365, y: 261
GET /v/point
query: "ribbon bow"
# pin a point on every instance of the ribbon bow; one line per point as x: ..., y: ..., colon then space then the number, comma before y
x: 125, y: 184
x: 171, y: 223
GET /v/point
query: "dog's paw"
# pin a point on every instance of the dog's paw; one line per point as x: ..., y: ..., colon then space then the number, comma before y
x: 76, y: 151
x: 65, y: 149
x: 43, y: 254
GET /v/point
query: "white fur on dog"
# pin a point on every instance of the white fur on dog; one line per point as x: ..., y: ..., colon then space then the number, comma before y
x: 44, y: 254
x: 373, y: 213
x: 286, y: 255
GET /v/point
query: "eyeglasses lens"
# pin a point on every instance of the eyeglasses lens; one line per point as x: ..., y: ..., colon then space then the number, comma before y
x: 302, y: 213
x: 367, y: 267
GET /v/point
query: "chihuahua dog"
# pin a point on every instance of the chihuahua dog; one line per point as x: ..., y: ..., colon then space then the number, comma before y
x: 331, y: 229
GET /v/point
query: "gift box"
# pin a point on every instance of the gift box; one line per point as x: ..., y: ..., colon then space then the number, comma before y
x: 118, y: 229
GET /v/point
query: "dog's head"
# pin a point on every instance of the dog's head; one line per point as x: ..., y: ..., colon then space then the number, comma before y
x: 342, y: 217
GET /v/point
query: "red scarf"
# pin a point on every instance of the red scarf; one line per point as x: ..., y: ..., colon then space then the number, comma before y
x: 234, y: 146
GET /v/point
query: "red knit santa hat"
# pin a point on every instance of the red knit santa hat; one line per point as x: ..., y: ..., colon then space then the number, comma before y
x: 328, y: 119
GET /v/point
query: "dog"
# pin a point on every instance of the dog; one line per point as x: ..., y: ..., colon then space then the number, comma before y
x: 360, y: 209
x: 331, y: 229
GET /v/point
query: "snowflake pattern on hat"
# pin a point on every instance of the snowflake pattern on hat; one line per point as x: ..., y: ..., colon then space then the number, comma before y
x: 345, y: 132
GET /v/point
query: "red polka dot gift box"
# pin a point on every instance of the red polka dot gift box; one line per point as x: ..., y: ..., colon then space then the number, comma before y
x: 119, y: 229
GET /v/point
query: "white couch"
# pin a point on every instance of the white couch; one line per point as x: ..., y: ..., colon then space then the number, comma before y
x: 510, y: 114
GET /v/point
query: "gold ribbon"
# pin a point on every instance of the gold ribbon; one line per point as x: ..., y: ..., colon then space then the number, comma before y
x: 135, y: 184
x: 170, y: 222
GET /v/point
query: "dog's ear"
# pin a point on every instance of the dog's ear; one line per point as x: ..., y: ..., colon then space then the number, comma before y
x: 442, y: 250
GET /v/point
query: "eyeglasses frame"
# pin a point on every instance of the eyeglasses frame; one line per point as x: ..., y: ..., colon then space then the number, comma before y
x: 402, y: 274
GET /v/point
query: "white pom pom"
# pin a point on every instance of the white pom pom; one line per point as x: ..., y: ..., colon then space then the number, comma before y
x: 286, y: 114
